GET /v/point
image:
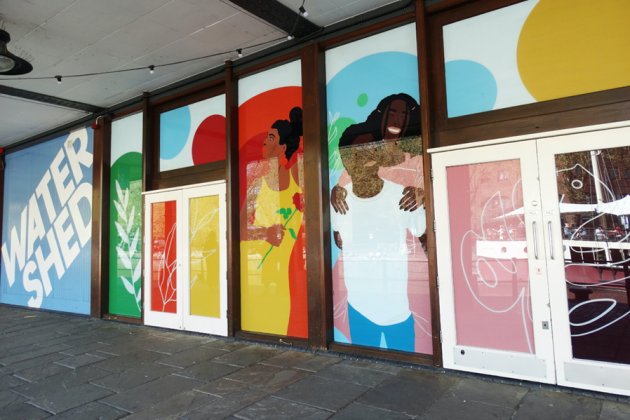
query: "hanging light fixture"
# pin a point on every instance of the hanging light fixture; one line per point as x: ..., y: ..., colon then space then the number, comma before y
x: 10, y: 63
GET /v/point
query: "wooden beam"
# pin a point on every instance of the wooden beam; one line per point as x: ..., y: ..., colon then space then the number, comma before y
x: 280, y: 16
x: 425, y: 115
x: 316, y: 200
x: 100, y: 219
x: 233, y: 201
x: 49, y: 100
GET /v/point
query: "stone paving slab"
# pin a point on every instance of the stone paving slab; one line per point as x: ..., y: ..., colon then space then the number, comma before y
x: 79, y: 368
x: 273, y: 408
x: 365, y: 412
x: 176, y: 406
x: 410, y: 391
x: 146, y: 395
x: 270, y: 378
x: 93, y: 410
x: 62, y: 399
x: 133, y: 377
x: 192, y: 356
x: 247, y: 355
x: 65, y: 380
x: 324, y: 393
x: 22, y: 410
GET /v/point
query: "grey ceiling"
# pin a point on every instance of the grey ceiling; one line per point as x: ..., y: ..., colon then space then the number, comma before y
x: 66, y: 37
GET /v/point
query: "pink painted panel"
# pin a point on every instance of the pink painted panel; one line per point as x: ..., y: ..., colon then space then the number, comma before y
x: 489, y: 257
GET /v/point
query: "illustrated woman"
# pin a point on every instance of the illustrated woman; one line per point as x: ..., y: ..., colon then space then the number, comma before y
x: 396, y: 120
x: 273, y: 292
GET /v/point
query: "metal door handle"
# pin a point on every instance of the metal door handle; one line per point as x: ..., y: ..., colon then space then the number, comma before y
x: 535, y: 240
x: 550, y: 232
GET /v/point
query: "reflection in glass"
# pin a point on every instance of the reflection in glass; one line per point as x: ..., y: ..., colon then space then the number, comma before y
x: 204, y: 256
x: 378, y: 220
x: 489, y: 254
x: 163, y: 257
x: 594, y: 203
x: 273, y: 260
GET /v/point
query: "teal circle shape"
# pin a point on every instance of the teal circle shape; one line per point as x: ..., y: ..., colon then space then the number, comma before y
x: 470, y: 88
x: 174, y: 131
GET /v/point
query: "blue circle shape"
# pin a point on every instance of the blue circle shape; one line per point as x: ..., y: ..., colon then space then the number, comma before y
x: 470, y: 88
x: 174, y: 131
x: 377, y: 76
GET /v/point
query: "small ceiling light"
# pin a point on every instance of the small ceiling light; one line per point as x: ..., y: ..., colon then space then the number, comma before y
x: 303, y: 11
x: 290, y: 37
x: 58, y: 79
x: 10, y: 63
x: 151, y: 69
x: 239, y: 51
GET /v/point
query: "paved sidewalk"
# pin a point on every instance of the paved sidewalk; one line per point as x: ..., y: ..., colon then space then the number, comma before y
x: 78, y: 368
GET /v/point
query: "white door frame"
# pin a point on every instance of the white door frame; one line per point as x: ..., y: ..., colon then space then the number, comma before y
x: 579, y: 373
x: 181, y: 319
x: 217, y: 326
x: 156, y: 318
x: 538, y: 366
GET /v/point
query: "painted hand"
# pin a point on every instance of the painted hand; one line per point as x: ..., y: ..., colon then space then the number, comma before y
x: 275, y: 234
x: 338, y: 199
x: 412, y: 198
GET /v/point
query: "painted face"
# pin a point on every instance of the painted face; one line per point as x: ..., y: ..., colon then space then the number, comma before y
x: 271, y: 146
x: 395, y: 120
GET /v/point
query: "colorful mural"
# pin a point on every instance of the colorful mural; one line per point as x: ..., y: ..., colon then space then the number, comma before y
x: 125, y: 212
x: 380, y: 267
x: 203, y: 239
x: 193, y: 134
x: 47, y: 225
x: 273, y: 265
x: 534, y: 51
x: 163, y: 280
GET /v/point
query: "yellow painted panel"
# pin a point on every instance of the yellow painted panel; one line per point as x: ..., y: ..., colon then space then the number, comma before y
x: 204, y: 256
x: 571, y: 48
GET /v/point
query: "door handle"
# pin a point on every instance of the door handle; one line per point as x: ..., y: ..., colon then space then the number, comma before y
x: 550, y: 233
x: 535, y: 240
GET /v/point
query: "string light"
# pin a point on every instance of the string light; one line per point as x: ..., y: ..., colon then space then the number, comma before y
x: 303, y: 11
x: 290, y: 37
x: 151, y: 68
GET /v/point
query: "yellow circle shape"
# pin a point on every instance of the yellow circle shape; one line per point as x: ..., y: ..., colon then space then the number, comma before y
x: 573, y: 47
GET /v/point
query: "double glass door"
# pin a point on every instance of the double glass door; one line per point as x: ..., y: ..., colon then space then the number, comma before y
x: 533, y: 259
x: 185, y: 259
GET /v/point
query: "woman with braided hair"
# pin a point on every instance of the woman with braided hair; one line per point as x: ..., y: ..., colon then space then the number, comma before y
x: 273, y: 210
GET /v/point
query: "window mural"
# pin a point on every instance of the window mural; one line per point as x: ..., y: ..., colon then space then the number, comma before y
x: 204, y: 256
x: 380, y: 267
x: 193, y: 134
x: 164, y: 257
x: 273, y: 263
x: 125, y: 212
x: 534, y: 51
x: 47, y: 225
x: 491, y: 274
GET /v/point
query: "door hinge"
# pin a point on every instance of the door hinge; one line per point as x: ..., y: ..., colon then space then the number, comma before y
x: 437, y: 280
x: 434, y: 229
x: 440, y: 336
x: 431, y: 173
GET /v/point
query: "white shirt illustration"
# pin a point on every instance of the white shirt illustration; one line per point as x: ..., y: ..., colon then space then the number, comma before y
x: 375, y: 252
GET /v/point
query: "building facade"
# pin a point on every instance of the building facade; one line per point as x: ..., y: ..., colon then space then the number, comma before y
x: 444, y: 185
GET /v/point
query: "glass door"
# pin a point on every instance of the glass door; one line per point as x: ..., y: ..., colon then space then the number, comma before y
x: 162, y: 262
x: 586, y: 202
x: 186, y: 260
x: 205, y: 293
x: 491, y: 262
